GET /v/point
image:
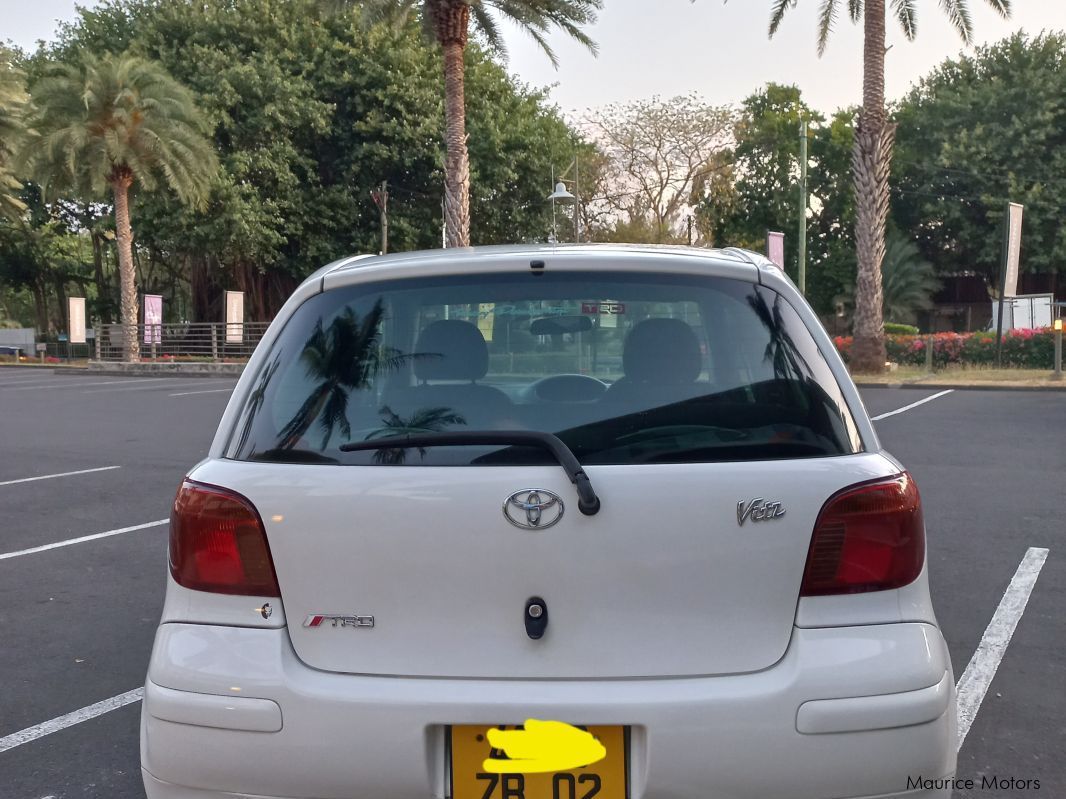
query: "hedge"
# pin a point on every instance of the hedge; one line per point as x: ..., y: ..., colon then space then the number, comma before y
x: 896, y: 329
x: 1032, y: 349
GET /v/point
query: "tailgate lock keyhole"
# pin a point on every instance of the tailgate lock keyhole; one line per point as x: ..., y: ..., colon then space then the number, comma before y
x: 536, y: 617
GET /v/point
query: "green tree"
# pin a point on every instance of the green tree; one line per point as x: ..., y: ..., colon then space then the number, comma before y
x: 760, y: 192
x: 983, y: 129
x: 312, y: 111
x: 448, y: 23
x: 13, y: 107
x: 109, y: 122
x: 757, y: 189
x: 874, y: 137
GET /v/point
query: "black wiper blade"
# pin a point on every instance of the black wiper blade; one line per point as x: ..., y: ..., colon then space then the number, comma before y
x: 587, y: 501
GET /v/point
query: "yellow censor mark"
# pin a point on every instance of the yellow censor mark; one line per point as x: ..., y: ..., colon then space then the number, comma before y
x: 543, y: 746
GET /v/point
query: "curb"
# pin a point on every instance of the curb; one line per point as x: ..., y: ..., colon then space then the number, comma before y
x: 957, y: 387
x: 164, y: 369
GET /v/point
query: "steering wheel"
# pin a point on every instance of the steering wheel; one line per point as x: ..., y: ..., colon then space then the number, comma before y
x: 567, y: 388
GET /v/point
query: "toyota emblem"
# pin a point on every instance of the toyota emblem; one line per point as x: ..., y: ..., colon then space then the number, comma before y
x: 533, y: 509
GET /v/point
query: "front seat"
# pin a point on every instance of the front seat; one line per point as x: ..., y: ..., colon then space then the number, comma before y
x: 450, y: 357
x: 661, y: 362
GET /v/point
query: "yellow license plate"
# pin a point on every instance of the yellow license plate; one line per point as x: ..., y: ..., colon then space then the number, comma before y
x: 605, y: 779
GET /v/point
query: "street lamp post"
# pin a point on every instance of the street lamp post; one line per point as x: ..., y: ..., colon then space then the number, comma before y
x: 562, y: 195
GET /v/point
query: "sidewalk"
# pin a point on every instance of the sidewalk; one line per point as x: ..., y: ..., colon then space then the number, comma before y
x: 1031, y: 379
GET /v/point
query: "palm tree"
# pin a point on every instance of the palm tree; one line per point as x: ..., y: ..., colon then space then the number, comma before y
x: 111, y: 122
x: 448, y: 23
x: 13, y: 108
x: 872, y: 157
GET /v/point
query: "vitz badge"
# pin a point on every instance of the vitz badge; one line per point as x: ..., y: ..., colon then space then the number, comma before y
x: 758, y: 510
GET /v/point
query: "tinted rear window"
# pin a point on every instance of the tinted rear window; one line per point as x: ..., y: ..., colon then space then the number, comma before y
x: 624, y: 368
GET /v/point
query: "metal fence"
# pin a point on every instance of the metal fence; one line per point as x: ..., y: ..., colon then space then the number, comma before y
x: 191, y: 341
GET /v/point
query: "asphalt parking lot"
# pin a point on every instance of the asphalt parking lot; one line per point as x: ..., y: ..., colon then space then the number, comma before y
x: 83, y: 455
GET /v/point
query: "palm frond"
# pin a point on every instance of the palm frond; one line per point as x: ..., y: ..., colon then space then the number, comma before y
x: 855, y: 9
x: 778, y: 9
x: 1001, y: 7
x: 958, y: 13
x: 907, y: 15
x: 827, y: 16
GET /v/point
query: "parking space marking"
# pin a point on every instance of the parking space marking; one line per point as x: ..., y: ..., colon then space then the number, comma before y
x: 208, y: 391
x: 82, y: 539
x: 973, y: 685
x: 69, y: 719
x: 905, y: 408
x: 134, y: 388
x: 60, y: 474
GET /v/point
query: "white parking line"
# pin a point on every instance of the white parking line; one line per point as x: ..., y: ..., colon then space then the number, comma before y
x: 82, y: 539
x: 136, y: 388
x: 208, y: 391
x: 60, y: 474
x: 912, y: 405
x: 70, y: 719
x: 973, y: 685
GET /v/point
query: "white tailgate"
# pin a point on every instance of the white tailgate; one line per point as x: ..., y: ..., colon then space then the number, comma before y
x: 661, y: 582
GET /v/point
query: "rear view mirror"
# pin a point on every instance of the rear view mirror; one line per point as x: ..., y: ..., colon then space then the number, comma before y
x: 558, y: 325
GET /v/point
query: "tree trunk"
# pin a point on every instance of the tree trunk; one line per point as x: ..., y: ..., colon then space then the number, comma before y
x: 121, y: 180
x: 871, y: 162
x: 451, y: 20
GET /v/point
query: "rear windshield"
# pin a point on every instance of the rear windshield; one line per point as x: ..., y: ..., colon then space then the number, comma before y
x: 625, y: 368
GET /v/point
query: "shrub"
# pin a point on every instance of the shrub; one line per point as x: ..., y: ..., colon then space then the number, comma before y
x: 896, y: 329
x: 1022, y: 348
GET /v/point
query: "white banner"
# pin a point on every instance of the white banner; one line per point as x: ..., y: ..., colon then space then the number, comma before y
x: 1014, y: 249
x: 775, y: 249
x: 234, y: 317
x: 76, y: 319
x: 153, y: 319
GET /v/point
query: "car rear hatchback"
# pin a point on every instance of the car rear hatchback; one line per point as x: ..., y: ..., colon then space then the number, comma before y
x: 632, y: 490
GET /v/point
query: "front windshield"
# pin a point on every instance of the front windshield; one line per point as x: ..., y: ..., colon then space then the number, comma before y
x: 624, y: 368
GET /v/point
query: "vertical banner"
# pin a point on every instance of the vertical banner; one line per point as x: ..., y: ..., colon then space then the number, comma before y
x: 775, y: 248
x: 153, y: 319
x: 234, y: 317
x: 76, y: 319
x: 1012, y: 250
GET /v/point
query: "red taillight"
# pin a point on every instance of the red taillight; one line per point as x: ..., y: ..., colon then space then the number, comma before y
x: 870, y: 537
x: 218, y: 544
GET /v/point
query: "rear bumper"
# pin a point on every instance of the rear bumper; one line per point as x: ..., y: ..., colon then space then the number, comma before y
x: 232, y: 712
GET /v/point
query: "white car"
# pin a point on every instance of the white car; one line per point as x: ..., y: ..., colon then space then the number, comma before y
x: 631, y: 490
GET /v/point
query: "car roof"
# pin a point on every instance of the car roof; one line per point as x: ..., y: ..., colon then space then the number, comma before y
x: 443, y: 258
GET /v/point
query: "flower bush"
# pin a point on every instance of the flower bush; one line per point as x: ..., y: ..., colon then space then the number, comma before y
x: 1031, y: 349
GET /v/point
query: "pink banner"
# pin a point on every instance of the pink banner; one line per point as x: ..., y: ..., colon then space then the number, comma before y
x: 153, y: 319
x: 775, y: 248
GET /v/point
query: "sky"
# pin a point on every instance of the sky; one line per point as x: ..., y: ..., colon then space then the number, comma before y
x: 715, y: 49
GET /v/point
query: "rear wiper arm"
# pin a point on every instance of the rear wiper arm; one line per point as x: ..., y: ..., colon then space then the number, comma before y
x: 588, y: 503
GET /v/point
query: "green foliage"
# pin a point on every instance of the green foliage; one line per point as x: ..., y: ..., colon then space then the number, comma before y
x: 103, y: 118
x: 310, y: 112
x: 983, y: 129
x: 907, y: 280
x: 896, y: 329
x: 905, y: 12
x: 13, y: 133
x: 758, y: 190
x: 535, y: 17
